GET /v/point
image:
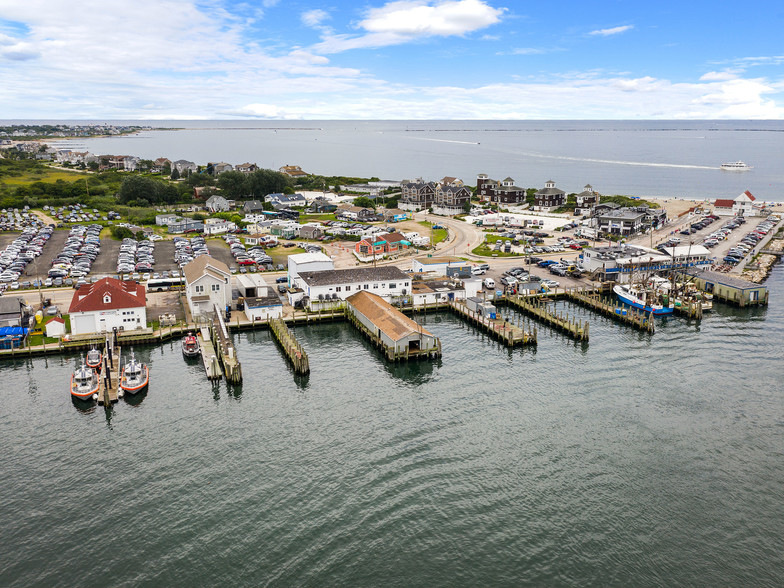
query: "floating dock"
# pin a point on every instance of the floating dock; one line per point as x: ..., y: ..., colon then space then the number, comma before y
x: 110, y: 374
x: 291, y: 347
x: 208, y: 356
x: 227, y: 354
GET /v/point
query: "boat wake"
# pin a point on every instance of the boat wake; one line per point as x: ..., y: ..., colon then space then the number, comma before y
x: 619, y: 162
x: 447, y: 141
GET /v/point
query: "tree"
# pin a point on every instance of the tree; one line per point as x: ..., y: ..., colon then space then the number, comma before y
x: 233, y: 184
x: 166, y: 170
x: 93, y: 165
x: 175, y: 174
x: 364, y: 202
x: 266, y: 181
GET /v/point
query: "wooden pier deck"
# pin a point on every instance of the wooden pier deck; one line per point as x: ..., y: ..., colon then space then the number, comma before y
x: 208, y: 356
x: 537, y: 308
x: 227, y: 354
x: 509, y: 334
x: 592, y: 299
x: 291, y: 347
x: 110, y: 375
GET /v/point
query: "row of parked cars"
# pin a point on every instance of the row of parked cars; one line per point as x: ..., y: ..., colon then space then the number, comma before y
x: 742, y: 249
x: 700, y: 224
x: 136, y: 257
x: 75, y: 261
x: 12, y: 219
x: 79, y: 213
x: 20, y: 252
x: 248, y: 258
x: 186, y: 250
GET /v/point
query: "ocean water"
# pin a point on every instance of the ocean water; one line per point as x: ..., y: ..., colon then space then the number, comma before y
x: 646, y: 158
x: 633, y: 460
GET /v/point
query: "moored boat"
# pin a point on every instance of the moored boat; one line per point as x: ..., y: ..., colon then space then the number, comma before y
x: 94, y: 358
x: 135, y: 376
x: 84, y: 382
x: 645, y: 300
x: 735, y: 166
x: 190, y: 345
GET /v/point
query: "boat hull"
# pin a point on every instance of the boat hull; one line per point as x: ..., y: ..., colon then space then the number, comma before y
x: 657, y: 310
x: 83, y: 394
x: 135, y: 386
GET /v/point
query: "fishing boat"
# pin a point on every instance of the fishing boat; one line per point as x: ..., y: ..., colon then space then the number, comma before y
x: 647, y: 300
x: 94, y: 359
x: 735, y: 166
x: 135, y: 376
x: 190, y: 345
x: 84, y: 382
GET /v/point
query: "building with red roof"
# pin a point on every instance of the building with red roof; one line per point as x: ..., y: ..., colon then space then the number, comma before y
x: 106, y: 304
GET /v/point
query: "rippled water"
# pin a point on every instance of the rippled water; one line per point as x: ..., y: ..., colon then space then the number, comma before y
x: 634, y: 460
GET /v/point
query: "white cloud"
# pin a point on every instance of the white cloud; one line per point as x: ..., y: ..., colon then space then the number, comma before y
x: 718, y: 76
x: 612, y: 31
x: 404, y: 21
x: 314, y: 18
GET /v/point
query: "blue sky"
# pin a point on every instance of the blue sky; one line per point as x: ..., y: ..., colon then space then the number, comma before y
x: 407, y: 59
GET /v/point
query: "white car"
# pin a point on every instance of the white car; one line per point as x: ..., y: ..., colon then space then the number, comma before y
x: 477, y: 271
x: 155, y: 237
x: 550, y: 283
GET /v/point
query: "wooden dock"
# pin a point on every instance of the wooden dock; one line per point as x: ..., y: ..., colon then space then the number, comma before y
x: 208, y: 356
x: 110, y: 374
x: 623, y: 314
x: 536, y: 307
x: 291, y: 347
x: 227, y: 354
x: 509, y: 334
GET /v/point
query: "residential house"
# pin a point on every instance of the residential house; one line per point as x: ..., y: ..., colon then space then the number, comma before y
x: 108, y: 304
x: 586, y: 200
x: 417, y: 195
x: 183, y: 166
x: 216, y: 168
x: 165, y: 219
x: 207, y: 283
x: 451, y: 197
x: 503, y: 192
x: 253, y: 206
x: 322, y: 205
x: 159, y: 164
x: 394, y: 215
x: 281, y: 201
x: 293, y: 171
x: 355, y: 213
x: 218, y: 226
x: 247, y: 168
x: 217, y: 204
x: 381, y: 245
x: 185, y: 225
x: 311, y: 231
x: 550, y: 196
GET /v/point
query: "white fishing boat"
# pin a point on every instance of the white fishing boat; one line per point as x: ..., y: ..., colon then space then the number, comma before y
x: 94, y: 358
x: 735, y: 166
x: 647, y: 300
x: 84, y: 382
x: 135, y: 376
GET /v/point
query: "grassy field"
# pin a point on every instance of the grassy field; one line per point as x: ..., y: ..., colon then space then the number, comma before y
x: 486, y: 251
x: 47, y: 175
x: 436, y: 235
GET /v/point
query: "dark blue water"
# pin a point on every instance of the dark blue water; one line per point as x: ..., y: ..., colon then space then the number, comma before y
x: 635, y: 460
x: 646, y: 158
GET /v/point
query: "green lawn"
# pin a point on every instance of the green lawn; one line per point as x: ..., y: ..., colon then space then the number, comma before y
x: 486, y: 251
x: 46, y: 175
x: 436, y: 235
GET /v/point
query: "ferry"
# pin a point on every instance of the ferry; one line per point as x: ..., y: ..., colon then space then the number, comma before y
x: 94, y: 359
x: 190, y: 345
x: 735, y: 166
x: 84, y: 383
x: 135, y: 376
x: 638, y: 299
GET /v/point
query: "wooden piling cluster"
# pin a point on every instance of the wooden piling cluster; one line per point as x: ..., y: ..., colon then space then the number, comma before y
x: 291, y: 347
x: 509, y: 334
x: 593, y: 300
x: 692, y: 309
x: 109, y: 377
x: 536, y: 307
x: 227, y: 354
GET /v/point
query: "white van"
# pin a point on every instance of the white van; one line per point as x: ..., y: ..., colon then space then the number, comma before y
x: 489, y: 283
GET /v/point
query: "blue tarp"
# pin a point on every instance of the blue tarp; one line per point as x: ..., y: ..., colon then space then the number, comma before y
x: 13, y: 331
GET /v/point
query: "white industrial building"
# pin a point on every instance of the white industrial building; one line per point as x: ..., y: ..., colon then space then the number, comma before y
x: 326, y: 285
x: 308, y: 262
x: 259, y: 301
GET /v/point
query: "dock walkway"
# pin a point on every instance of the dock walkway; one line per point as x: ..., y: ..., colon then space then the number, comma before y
x: 537, y: 308
x: 110, y: 374
x: 623, y: 314
x: 208, y: 356
x: 291, y: 347
x: 509, y: 334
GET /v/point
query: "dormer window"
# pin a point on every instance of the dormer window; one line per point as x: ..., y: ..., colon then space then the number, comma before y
x: 107, y: 298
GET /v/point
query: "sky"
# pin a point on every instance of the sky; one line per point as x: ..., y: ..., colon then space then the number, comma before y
x: 403, y: 59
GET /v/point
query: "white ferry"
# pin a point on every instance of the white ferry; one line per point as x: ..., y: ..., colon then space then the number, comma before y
x: 735, y: 166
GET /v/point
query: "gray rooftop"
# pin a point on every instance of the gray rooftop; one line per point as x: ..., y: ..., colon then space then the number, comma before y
x: 725, y: 280
x: 353, y: 275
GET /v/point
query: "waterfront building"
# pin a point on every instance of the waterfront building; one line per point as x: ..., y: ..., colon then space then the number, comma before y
x: 328, y: 285
x: 183, y: 166
x: 586, y: 200
x: 397, y: 332
x: 308, y: 262
x: 503, y: 192
x: 623, y: 221
x: 207, y: 282
x: 417, y: 195
x: 293, y: 171
x: 11, y: 309
x: 108, y: 304
x: 729, y: 288
x: 259, y: 301
x: 549, y: 197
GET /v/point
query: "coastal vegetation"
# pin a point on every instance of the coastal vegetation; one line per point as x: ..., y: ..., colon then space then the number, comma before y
x: 436, y: 235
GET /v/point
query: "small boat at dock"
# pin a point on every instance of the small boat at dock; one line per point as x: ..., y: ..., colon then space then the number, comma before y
x: 643, y: 299
x: 84, y: 382
x: 190, y: 345
x: 94, y: 359
x: 135, y: 376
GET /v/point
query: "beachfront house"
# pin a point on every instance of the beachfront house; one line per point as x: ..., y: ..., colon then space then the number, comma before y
x: 108, y: 304
x: 586, y: 200
x: 549, y: 197
x: 503, y: 192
